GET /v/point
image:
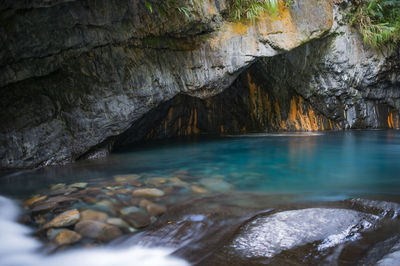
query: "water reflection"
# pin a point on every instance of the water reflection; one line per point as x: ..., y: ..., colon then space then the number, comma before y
x: 334, y: 162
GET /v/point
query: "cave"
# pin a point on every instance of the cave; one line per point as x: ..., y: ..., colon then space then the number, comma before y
x: 199, y: 132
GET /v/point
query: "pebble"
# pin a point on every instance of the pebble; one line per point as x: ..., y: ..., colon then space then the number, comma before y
x: 63, y: 191
x: 129, y: 210
x: 98, y: 230
x: 199, y: 190
x: 157, y: 181
x: 216, y: 184
x: 65, y: 219
x: 80, y: 185
x: 93, y: 215
x: 51, y: 203
x: 34, y: 200
x: 45, y: 206
x: 152, y: 208
x: 40, y: 219
x: 126, y: 178
x: 105, y: 206
x: 57, y: 186
x: 148, y: 192
x: 137, y: 219
x: 52, y: 233
x: 121, y: 224
x: 123, y: 191
x: 66, y: 237
x: 177, y: 182
x: 61, y: 199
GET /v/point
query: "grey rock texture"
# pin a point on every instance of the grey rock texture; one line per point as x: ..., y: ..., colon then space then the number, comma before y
x: 342, y: 78
x: 249, y: 105
x: 76, y: 73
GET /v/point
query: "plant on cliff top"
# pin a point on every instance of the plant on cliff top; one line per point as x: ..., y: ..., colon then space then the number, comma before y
x: 378, y: 21
x: 239, y: 9
x: 252, y: 9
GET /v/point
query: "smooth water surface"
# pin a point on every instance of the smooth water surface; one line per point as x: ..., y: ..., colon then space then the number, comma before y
x: 327, y: 164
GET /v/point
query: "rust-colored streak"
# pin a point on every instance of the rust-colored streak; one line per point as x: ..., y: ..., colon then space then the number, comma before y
x: 179, y: 126
x: 195, y: 129
x: 390, y: 120
x: 189, y: 125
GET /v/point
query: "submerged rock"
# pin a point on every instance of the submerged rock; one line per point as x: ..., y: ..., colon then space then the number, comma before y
x: 148, y: 192
x: 137, y: 219
x: 199, y: 190
x: 129, y: 210
x: 45, y: 206
x: 58, y: 186
x: 93, y: 215
x: 34, y: 200
x: 98, y: 230
x: 80, y: 185
x: 104, y: 206
x: 63, y: 191
x: 126, y: 178
x: 152, y: 208
x: 268, y: 236
x: 66, y: 237
x: 216, y: 184
x: 52, y: 233
x: 121, y: 224
x: 65, y: 219
x: 51, y: 203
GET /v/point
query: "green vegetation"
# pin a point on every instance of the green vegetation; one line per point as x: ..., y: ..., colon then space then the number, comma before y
x: 239, y: 9
x: 252, y: 9
x: 378, y: 21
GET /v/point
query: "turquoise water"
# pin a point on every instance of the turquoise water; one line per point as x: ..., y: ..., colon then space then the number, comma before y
x: 333, y: 164
x: 327, y: 198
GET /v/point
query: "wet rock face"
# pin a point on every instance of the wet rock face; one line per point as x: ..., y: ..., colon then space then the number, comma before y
x: 342, y: 78
x: 249, y: 105
x: 268, y: 236
x: 75, y: 73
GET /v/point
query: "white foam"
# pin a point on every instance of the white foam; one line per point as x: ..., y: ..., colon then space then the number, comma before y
x: 18, y: 248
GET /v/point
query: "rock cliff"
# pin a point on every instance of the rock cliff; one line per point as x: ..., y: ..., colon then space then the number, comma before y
x: 342, y: 78
x: 335, y: 82
x: 77, y: 73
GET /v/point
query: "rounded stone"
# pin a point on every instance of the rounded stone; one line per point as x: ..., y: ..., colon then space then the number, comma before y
x: 93, y: 215
x: 148, y: 192
x: 64, y: 219
x: 98, y: 230
x: 66, y: 237
x: 152, y: 208
x: 137, y: 219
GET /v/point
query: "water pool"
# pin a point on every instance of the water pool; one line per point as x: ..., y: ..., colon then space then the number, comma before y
x: 337, y: 191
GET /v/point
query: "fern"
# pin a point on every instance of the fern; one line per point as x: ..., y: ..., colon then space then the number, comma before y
x: 379, y: 22
x: 253, y: 9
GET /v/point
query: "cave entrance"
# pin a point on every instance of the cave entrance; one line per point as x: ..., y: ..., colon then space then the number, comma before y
x: 251, y: 104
